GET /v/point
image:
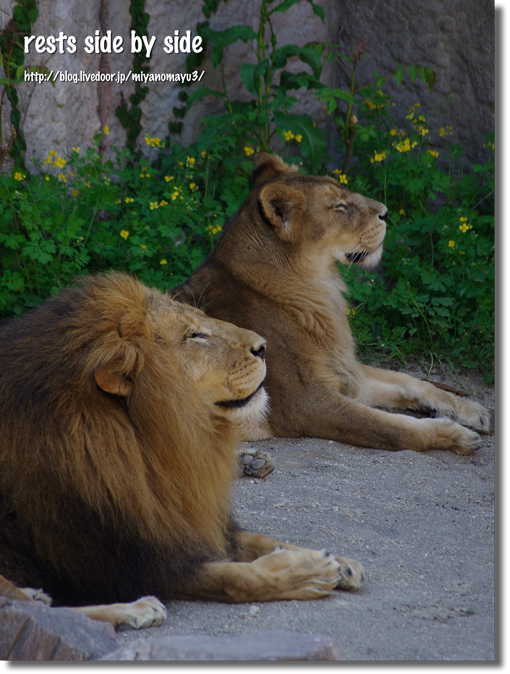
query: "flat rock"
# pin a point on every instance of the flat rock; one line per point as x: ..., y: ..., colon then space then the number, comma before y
x: 272, y: 645
x: 32, y: 631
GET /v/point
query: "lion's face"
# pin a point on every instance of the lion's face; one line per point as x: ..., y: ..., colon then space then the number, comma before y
x: 326, y: 221
x: 224, y: 364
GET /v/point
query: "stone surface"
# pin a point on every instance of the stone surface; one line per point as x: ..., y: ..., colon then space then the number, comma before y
x: 454, y: 37
x: 32, y: 631
x: 275, y: 645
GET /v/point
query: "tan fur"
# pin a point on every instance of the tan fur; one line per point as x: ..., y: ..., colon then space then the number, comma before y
x: 118, y: 428
x: 274, y: 270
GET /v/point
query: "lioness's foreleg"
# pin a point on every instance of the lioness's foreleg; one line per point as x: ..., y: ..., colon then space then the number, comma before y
x: 348, y: 421
x: 401, y: 391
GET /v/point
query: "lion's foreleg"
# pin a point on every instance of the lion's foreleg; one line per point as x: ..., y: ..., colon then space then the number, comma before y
x: 268, y: 570
x: 136, y: 615
x: 401, y: 391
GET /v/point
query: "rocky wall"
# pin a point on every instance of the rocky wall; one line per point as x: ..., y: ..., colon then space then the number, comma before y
x: 454, y: 37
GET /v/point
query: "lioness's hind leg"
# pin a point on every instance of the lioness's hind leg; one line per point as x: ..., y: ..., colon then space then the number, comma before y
x: 255, y: 463
x: 401, y: 391
x: 136, y: 615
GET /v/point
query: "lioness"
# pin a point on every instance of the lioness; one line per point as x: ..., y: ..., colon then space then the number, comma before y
x: 273, y: 270
x: 118, y: 411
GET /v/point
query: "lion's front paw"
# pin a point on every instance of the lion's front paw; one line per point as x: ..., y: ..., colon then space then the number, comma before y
x: 140, y: 614
x: 255, y: 463
x: 451, y: 435
x: 36, y: 595
x: 301, y: 573
x: 352, y: 574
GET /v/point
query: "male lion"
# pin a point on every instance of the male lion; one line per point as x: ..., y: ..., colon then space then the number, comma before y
x: 273, y: 270
x: 117, y: 452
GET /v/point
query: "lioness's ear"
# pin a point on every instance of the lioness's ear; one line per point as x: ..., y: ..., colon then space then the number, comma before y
x: 269, y: 166
x: 111, y: 380
x: 282, y: 206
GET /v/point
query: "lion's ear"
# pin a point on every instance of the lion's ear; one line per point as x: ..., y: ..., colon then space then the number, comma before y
x: 269, y: 166
x: 121, y: 355
x: 112, y: 381
x: 282, y: 206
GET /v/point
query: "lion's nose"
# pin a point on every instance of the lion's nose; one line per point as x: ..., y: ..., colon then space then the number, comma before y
x: 260, y: 351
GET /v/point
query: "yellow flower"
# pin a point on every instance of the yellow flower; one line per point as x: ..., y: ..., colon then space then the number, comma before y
x: 72, y: 175
x: 451, y: 244
x: 416, y: 105
x: 75, y: 192
x: 217, y: 229
x: 203, y: 153
x: 52, y: 153
x: 60, y: 162
x: 169, y: 178
x: 18, y: 176
x: 434, y: 153
x: 76, y: 149
x: 378, y: 157
x: 371, y: 105
x: 128, y: 200
x: 163, y: 262
x: 422, y: 130
x: 180, y: 163
x: 107, y: 130
x: 393, y: 132
x: 299, y: 138
x: 288, y: 135
x: 153, y: 205
x: 190, y: 161
x: 163, y: 202
x: 402, y: 212
x: 441, y: 133
x: 463, y: 219
x: 152, y: 142
x: 465, y: 226
x: 62, y: 177
x: 143, y: 246
x: 248, y: 150
x: 192, y: 186
x: 124, y: 234
x: 47, y: 177
x: 342, y: 178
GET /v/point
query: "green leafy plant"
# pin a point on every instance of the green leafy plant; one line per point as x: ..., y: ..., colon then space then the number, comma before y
x: 436, y: 293
x: 80, y: 214
x: 268, y: 83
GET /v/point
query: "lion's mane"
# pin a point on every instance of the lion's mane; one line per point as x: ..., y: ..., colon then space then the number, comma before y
x: 105, y: 498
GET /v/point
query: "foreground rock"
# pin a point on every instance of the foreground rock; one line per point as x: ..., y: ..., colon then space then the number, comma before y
x: 32, y: 631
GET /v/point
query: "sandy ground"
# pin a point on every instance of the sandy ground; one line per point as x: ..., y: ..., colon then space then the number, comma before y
x: 422, y: 525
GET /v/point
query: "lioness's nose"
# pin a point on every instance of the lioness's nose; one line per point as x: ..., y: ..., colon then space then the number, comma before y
x: 259, y: 351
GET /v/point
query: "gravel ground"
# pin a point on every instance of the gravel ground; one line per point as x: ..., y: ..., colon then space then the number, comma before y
x: 422, y: 525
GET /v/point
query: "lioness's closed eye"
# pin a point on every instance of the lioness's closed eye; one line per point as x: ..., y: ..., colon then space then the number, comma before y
x: 118, y: 431
x: 273, y: 270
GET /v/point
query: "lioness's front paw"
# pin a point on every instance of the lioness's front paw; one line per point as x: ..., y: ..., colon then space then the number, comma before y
x: 468, y: 413
x: 255, y: 463
x: 140, y: 614
x: 451, y: 435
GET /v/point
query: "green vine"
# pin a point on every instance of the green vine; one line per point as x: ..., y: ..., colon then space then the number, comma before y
x: 12, y: 59
x: 130, y: 117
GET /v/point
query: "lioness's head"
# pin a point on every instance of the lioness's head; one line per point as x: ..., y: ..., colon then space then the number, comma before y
x: 316, y: 214
x: 221, y: 365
